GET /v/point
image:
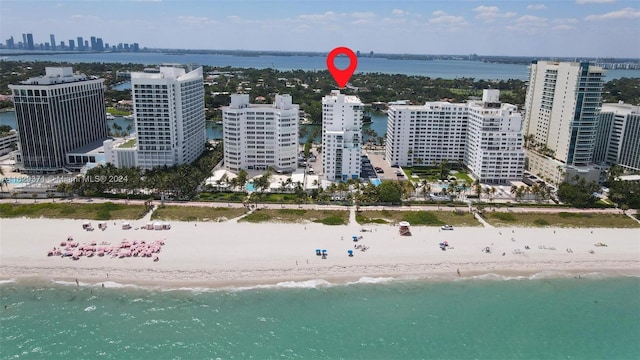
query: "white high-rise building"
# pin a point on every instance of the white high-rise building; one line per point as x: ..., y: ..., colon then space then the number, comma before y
x: 56, y: 114
x: 494, y: 149
x: 561, y: 112
x: 169, y: 116
x: 341, y: 136
x: 426, y: 134
x: 619, y: 136
x: 258, y: 136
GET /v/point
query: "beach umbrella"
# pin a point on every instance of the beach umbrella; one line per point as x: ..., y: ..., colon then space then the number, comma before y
x: 318, y: 252
x: 350, y: 252
x: 355, y: 238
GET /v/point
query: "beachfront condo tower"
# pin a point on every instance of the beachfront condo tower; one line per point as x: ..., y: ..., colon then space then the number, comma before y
x: 619, y: 136
x: 259, y: 136
x: 494, y: 149
x: 562, y: 108
x: 169, y: 116
x: 426, y: 135
x: 57, y: 113
x: 341, y: 136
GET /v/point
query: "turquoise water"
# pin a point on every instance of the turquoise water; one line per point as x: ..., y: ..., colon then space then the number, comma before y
x: 250, y: 187
x: 493, y: 318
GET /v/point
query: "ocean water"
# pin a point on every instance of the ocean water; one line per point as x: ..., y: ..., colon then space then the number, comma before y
x: 488, y: 317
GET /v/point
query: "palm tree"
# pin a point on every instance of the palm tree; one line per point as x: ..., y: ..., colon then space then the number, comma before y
x: 493, y: 192
x: 14, y: 196
x: 514, y: 191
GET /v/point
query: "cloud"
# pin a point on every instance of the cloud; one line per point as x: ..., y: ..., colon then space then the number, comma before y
x: 536, y: 7
x: 489, y: 14
x: 562, y: 27
x: 582, y: 2
x: 324, y: 17
x: 626, y: 13
x: 85, y: 17
x: 398, y: 12
x: 363, y: 15
x: 442, y: 17
x: 361, y: 22
x: 195, y: 20
x: 529, y: 24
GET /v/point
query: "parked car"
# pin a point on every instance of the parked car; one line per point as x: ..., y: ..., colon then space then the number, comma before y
x: 447, y: 227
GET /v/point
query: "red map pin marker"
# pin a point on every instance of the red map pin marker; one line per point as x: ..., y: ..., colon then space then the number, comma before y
x: 342, y: 76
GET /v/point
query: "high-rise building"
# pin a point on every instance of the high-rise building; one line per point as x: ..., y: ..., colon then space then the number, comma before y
x: 341, y: 136
x: 53, y: 41
x: 169, y: 116
x: 494, y: 148
x: 10, y: 43
x: 57, y: 113
x: 426, y: 134
x: 72, y: 45
x: 30, y: 45
x: 80, y: 43
x: 258, y: 136
x: 94, y: 44
x: 619, y: 136
x: 561, y: 119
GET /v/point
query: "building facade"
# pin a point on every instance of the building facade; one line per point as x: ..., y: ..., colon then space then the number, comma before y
x: 341, y: 136
x: 168, y: 109
x: 57, y: 113
x: 426, y: 134
x: 258, y: 136
x: 494, y: 148
x: 561, y: 113
x: 619, y: 136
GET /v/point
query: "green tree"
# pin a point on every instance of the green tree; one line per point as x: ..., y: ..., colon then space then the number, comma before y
x: 389, y: 192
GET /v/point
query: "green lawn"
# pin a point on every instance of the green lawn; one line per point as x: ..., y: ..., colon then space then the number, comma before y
x: 424, y: 218
x: 117, y: 112
x: 235, y: 197
x: 327, y: 217
x: 129, y: 143
x: 562, y: 219
x: 196, y: 213
x: 104, y: 211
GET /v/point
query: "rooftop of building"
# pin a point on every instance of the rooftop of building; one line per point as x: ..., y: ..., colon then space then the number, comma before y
x: 56, y: 75
x: 621, y: 107
x: 95, y: 147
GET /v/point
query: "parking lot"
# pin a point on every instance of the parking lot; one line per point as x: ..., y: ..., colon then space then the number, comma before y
x: 378, y: 161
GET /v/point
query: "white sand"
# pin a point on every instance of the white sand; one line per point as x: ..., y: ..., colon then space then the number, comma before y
x: 224, y: 254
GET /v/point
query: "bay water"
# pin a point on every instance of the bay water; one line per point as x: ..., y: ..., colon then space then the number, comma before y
x: 444, y: 69
x: 545, y: 316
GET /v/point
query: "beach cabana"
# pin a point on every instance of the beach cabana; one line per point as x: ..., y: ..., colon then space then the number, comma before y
x: 102, y: 225
x: 157, y: 226
x: 126, y: 225
x: 149, y: 226
x: 166, y: 226
x: 404, y: 228
x: 86, y: 225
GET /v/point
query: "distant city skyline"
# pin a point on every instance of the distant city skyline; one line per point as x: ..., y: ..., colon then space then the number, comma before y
x: 572, y: 28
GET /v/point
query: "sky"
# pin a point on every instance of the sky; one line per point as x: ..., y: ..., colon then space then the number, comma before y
x: 555, y: 28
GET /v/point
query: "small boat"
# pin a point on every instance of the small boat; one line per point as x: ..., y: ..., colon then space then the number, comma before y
x: 128, y: 117
x: 110, y: 117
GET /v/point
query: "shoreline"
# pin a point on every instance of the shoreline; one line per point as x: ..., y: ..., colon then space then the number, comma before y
x: 232, y: 255
x: 87, y: 281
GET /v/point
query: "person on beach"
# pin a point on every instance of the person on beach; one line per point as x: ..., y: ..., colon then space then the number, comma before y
x: 458, y: 271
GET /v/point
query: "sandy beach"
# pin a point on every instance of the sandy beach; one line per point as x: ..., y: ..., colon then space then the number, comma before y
x: 240, y: 254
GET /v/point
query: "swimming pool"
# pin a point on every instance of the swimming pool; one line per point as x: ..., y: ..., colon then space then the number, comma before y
x: 375, y: 182
x: 250, y: 187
